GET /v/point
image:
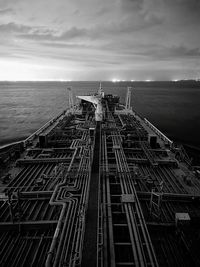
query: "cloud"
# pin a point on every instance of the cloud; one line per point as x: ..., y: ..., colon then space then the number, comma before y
x: 152, y: 51
x: 102, y: 11
x: 13, y: 27
x: 171, y: 52
x: 50, y: 35
x: 69, y: 45
x: 75, y: 32
x: 191, y: 5
x: 97, y: 32
x: 181, y: 51
x: 5, y: 11
x: 131, y: 5
x: 125, y: 34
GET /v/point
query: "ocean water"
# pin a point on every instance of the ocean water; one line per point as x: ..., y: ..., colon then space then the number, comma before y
x: 173, y: 107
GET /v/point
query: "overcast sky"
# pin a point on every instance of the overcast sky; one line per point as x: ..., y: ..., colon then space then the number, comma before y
x: 99, y: 39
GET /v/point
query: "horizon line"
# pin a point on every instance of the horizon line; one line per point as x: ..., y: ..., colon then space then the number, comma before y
x: 113, y: 81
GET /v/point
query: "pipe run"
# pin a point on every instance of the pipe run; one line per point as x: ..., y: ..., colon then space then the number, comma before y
x: 54, y: 201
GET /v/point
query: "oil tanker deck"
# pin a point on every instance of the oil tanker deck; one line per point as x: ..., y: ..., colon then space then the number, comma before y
x: 98, y: 186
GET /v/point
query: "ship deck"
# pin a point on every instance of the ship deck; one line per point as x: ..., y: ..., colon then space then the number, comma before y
x: 99, y: 195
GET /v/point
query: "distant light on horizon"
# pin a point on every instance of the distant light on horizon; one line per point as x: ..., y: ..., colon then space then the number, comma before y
x: 65, y: 80
x: 115, y: 80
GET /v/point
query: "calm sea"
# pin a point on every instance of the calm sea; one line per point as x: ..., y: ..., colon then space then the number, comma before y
x: 173, y: 107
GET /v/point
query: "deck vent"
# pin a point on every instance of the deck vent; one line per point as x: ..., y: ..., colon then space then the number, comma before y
x: 152, y: 138
x: 116, y: 147
x: 128, y: 198
x: 42, y: 140
x: 182, y: 219
x: 91, y: 131
x: 3, y: 196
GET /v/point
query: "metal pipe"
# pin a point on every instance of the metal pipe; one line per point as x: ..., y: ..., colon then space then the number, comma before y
x: 54, y: 201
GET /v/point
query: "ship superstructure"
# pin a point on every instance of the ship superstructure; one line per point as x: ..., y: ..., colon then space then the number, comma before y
x: 98, y: 186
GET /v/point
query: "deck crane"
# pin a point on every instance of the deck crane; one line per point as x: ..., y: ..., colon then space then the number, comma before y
x: 96, y: 100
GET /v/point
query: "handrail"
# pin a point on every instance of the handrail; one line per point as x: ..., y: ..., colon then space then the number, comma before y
x: 161, y: 135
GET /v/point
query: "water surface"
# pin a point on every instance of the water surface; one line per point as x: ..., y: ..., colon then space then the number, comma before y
x: 173, y: 107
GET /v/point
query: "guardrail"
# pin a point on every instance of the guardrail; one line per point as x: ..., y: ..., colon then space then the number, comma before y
x: 47, y: 124
x: 43, y: 128
x: 158, y: 132
x: 12, y: 147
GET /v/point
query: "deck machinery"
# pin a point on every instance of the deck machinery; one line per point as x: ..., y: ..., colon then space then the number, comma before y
x: 108, y: 192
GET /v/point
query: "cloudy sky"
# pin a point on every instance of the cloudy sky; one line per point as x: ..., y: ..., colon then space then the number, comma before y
x: 99, y: 39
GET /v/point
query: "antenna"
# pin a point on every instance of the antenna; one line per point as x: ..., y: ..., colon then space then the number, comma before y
x: 100, y: 91
x: 128, y: 98
x: 71, y: 100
